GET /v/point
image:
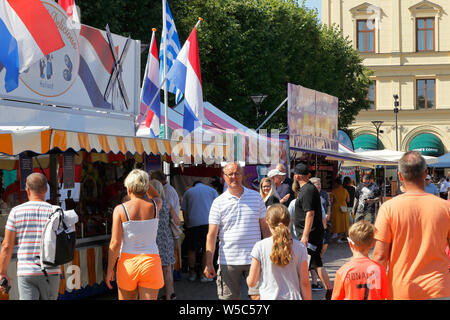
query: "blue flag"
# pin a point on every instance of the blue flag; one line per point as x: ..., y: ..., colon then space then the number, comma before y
x: 170, y: 35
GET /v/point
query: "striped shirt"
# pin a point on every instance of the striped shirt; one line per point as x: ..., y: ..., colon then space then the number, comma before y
x: 27, y: 221
x: 239, y: 228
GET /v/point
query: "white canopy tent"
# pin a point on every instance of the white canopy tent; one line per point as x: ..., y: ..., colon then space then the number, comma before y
x: 392, y: 155
x: 376, y: 157
x: 372, y: 158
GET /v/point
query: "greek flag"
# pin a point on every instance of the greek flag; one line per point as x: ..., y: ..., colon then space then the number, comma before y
x: 170, y: 35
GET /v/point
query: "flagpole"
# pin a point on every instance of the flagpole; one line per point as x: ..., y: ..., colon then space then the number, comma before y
x: 143, y: 78
x: 164, y: 35
x: 145, y: 74
x: 200, y: 120
x: 163, y: 84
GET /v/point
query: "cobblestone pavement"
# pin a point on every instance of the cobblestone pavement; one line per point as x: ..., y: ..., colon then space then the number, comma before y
x: 336, y: 255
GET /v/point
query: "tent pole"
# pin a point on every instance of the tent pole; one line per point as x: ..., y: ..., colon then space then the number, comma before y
x: 270, y: 116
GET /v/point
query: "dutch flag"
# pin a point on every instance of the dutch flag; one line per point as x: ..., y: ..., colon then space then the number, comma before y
x: 150, y: 88
x: 27, y: 34
x: 185, y: 74
x: 70, y: 7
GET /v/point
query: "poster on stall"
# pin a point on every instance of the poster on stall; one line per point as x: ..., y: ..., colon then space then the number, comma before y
x: 69, y: 170
x: 25, y: 169
x: 312, y: 119
x: 152, y: 163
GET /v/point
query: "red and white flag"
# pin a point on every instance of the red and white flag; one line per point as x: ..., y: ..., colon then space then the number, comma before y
x: 185, y: 74
x: 71, y: 9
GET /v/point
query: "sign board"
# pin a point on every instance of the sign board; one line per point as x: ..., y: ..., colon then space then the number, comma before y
x: 26, y: 168
x: 312, y: 119
x: 69, y: 170
x: 75, y: 78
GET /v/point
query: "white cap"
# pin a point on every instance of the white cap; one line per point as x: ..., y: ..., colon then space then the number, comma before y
x: 275, y: 172
x: 428, y: 177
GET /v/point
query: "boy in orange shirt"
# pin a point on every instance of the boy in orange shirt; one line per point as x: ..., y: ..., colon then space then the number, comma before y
x: 361, y: 278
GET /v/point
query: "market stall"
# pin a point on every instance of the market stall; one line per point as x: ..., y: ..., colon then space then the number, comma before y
x: 98, y: 167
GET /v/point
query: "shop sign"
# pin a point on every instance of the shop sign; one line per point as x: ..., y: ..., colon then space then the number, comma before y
x: 76, y: 76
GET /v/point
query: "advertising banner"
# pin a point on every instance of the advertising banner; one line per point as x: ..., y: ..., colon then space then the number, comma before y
x: 312, y: 119
x: 77, y: 75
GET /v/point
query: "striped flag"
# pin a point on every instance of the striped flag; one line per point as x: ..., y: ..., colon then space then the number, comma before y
x: 27, y: 34
x: 170, y: 35
x: 185, y: 74
x: 96, y: 65
x: 71, y: 9
x: 150, y: 88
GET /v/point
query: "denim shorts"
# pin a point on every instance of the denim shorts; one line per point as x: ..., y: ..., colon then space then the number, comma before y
x: 38, y: 288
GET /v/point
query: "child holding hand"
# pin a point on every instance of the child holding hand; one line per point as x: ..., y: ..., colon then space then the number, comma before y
x: 279, y: 263
x: 361, y: 278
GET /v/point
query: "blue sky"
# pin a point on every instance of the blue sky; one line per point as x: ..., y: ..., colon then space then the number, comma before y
x: 317, y: 4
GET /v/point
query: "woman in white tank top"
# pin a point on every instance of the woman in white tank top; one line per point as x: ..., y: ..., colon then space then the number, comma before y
x: 135, y: 226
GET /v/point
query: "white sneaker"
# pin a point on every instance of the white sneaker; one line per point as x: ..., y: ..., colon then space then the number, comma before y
x: 205, y: 279
x: 192, y: 277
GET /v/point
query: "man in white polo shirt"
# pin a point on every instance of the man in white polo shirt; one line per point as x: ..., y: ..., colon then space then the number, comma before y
x: 237, y: 216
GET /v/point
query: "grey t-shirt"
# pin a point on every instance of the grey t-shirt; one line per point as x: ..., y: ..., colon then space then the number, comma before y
x: 279, y: 283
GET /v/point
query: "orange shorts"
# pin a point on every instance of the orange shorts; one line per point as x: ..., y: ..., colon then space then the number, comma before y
x: 139, y: 270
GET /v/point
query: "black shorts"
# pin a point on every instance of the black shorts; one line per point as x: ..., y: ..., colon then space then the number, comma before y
x: 316, y: 259
x: 196, y: 237
x: 327, y: 236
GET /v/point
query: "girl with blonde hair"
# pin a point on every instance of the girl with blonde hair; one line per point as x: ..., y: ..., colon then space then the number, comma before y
x: 268, y: 192
x: 280, y: 263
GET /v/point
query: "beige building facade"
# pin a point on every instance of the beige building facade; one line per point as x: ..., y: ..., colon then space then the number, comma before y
x: 406, y: 43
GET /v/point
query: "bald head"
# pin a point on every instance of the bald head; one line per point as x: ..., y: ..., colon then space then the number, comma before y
x: 413, y: 167
x: 231, y: 166
x: 280, y: 167
x: 37, y: 183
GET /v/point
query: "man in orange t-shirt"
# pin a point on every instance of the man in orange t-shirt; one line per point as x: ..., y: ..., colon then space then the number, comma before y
x: 361, y: 278
x: 413, y: 230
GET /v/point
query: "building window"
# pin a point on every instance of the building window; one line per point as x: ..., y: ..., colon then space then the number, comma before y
x: 371, y: 95
x: 426, y: 94
x: 425, y: 34
x: 366, y: 35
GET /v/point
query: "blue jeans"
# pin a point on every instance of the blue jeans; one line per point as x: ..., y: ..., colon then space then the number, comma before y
x: 38, y: 288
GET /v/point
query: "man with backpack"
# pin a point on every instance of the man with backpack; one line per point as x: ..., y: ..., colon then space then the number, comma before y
x: 26, y: 223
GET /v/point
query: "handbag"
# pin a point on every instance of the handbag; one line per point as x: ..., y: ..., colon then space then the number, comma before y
x: 343, y: 209
x: 176, y: 230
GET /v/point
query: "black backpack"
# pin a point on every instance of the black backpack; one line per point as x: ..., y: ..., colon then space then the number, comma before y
x: 63, y: 240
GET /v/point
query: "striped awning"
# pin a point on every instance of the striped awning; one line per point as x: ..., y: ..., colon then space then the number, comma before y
x: 14, y: 140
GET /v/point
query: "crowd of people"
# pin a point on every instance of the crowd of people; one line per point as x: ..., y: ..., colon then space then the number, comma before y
x: 275, y: 239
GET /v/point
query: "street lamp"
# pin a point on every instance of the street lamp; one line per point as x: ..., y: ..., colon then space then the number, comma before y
x: 396, y: 104
x: 258, y: 99
x: 377, y: 124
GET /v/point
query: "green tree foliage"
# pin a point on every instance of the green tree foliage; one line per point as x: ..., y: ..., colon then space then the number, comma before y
x: 248, y: 47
